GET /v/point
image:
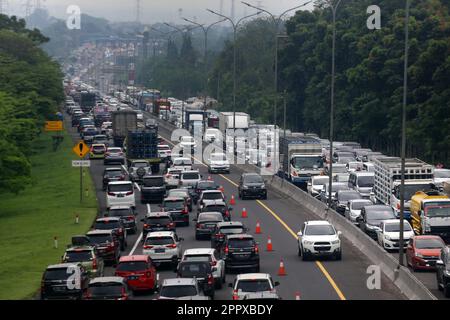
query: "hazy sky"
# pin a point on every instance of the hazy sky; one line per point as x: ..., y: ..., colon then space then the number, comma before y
x: 154, y: 10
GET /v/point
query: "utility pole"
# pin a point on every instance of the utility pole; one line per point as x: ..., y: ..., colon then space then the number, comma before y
x: 138, y: 11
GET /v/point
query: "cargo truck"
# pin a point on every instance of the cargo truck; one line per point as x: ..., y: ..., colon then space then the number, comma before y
x: 122, y: 122
x: 87, y: 101
x: 300, y: 158
x: 228, y: 122
x: 386, y: 189
x: 193, y: 120
x: 430, y: 214
x: 143, y: 145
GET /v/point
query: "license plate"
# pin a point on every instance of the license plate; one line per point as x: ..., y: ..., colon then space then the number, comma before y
x: 120, y: 195
x: 59, y: 289
x: 209, y: 226
x: 160, y: 250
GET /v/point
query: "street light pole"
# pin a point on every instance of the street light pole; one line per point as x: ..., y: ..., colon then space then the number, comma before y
x: 403, y: 155
x: 235, y: 26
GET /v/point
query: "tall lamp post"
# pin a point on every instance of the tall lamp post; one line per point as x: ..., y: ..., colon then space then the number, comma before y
x: 235, y: 26
x: 205, y: 54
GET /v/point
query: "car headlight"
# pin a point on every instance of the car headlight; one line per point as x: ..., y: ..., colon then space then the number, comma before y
x: 418, y: 255
x: 245, y: 187
x: 335, y: 241
x: 306, y: 242
x: 263, y: 186
x: 387, y: 237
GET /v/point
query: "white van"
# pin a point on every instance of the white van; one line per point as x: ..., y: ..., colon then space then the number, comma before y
x: 120, y: 193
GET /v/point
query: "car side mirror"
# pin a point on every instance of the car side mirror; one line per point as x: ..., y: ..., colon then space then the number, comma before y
x: 230, y: 285
x: 299, y: 234
x: 181, y: 239
x: 420, y: 212
x: 439, y: 262
x: 339, y: 233
x: 276, y: 284
x: 230, y: 209
x: 214, y: 269
x: 142, y: 220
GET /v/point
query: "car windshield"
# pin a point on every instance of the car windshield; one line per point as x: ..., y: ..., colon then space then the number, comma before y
x: 380, y: 214
x: 442, y: 174
x: 57, y: 274
x: 113, y: 173
x: 218, y: 157
x: 106, y: 289
x: 78, y: 256
x: 319, y: 181
x: 106, y: 225
x: 241, y: 243
x: 98, y: 148
x: 429, y: 244
x: 132, y: 266
x: 100, y: 238
x: 194, y: 269
x: 120, y: 187
x: 212, y: 196
x: 395, y: 227
x: 159, y: 240
x: 358, y: 205
x: 206, y: 185
x: 190, y: 176
x: 210, y: 217
x: 253, y: 179
x: 153, y: 182
x: 366, y: 181
x: 345, y: 196
x: 120, y: 212
x: 319, y: 230
x: 336, y: 187
x: 173, y: 205
x: 253, y: 285
x: 178, y: 291
x: 182, y: 162
x: 434, y: 210
x: 231, y: 230
x: 307, y: 162
x: 198, y: 257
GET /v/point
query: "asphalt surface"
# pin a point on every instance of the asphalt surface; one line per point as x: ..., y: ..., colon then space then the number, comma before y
x: 280, y: 218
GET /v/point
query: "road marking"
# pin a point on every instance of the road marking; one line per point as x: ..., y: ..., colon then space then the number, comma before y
x: 149, y: 208
x: 124, y: 168
x: 318, y: 263
x: 136, y: 244
x: 137, y: 186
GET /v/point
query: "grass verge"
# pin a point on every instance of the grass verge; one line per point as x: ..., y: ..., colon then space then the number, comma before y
x: 30, y: 220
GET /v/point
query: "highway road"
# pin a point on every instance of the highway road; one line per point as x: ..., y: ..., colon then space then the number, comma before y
x: 280, y: 218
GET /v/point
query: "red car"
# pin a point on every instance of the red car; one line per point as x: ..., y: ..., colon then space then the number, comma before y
x: 423, y: 252
x: 139, y: 272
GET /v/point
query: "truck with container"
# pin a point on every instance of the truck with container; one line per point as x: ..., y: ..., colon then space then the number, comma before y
x: 300, y: 158
x: 142, y: 144
x: 387, y: 180
x: 122, y: 122
x: 193, y: 120
x: 87, y: 100
x: 230, y: 123
x: 160, y: 106
x: 146, y: 99
x: 430, y: 214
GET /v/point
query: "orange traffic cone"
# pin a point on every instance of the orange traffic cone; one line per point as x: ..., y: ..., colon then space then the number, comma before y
x: 244, y: 213
x: 269, y: 244
x: 297, y: 295
x: 209, y: 178
x: 232, y: 201
x: 281, y: 270
x: 258, y: 228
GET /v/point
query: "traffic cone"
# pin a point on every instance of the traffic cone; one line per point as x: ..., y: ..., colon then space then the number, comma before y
x: 244, y: 213
x: 209, y: 178
x: 232, y: 201
x: 281, y: 270
x: 269, y: 244
x: 221, y: 189
x: 297, y: 295
x: 258, y: 228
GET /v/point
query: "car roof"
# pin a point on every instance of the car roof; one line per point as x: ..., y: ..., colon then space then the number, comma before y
x: 247, y: 174
x: 230, y: 223
x: 375, y: 207
x: 62, y: 265
x: 317, y: 223
x: 251, y: 276
x: 96, y: 231
x: 179, y: 281
x: 208, y: 212
x: 107, y: 219
x: 80, y: 248
x: 211, y: 191
x: 198, y: 251
x: 190, y: 171
x: 363, y: 173
x: 120, y: 182
x: 107, y: 280
x: 174, y: 198
x: 214, y: 203
x: 138, y: 257
x: 240, y: 236
x: 113, y: 168
x: 119, y: 207
x: 158, y: 214
x: 161, y: 234
x: 98, y: 145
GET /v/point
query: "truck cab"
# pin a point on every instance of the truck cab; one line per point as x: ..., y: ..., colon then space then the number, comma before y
x: 303, y: 166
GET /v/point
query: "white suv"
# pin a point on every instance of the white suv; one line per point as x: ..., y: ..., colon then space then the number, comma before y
x: 248, y: 283
x: 212, y: 256
x: 319, y: 238
x: 163, y: 246
x: 189, y: 179
x: 120, y: 193
x: 218, y: 162
x: 389, y: 234
x: 182, y: 163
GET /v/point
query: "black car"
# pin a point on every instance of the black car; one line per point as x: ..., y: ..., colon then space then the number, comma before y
x: 178, y: 209
x: 371, y: 216
x: 201, y: 186
x: 157, y: 221
x: 126, y: 214
x: 206, y: 223
x: 442, y: 277
x: 108, y: 288
x: 218, y: 206
x: 202, y: 271
x: 223, y: 229
x: 107, y: 244
x: 153, y: 188
x: 64, y: 281
x: 185, y: 193
x: 342, y: 197
x: 112, y: 174
x: 115, y: 224
x: 251, y: 185
x: 241, y: 251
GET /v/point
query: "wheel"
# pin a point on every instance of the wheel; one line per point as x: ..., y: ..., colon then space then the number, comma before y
x: 299, y: 252
x: 304, y: 256
x: 338, y: 256
x: 197, y: 237
x: 264, y: 197
x: 447, y: 291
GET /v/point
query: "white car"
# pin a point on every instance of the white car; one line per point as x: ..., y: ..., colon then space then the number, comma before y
x: 164, y: 151
x: 209, y: 196
x: 250, y: 283
x: 163, y: 246
x: 441, y: 176
x: 319, y: 238
x: 182, y: 163
x: 389, y: 234
x: 187, y: 142
x: 316, y: 183
x: 181, y: 289
x: 120, y: 193
x: 218, y: 162
x: 172, y: 178
x: 212, y: 134
x: 353, y: 209
x: 210, y: 255
x: 189, y: 179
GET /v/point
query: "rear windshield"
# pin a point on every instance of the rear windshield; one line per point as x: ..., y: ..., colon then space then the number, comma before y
x: 159, y: 240
x: 181, y: 194
x: 190, y: 176
x: 178, y: 291
x: 198, y: 257
x: 255, y: 285
x: 241, y: 243
x: 174, y: 204
x: 78, y: 256
x: 358, y: 205
x: 212, y: 196
x: 100, y: 238
x: 320, y: 181
x: 158, y: 220
x: 120, y: 212
x: 139, y: 164
x: 206, y: 185
x: 56, y: 274
x: 382, y: 214
x: 395, y: 227
x: 106, y: 225
x: 210, y: 217
x: 189, y: 270
x: 132, y: 266
x: 345, y: 196
x: 105, y: 289
x: 98, y: 147
x: 253, y: 179
x: 114, y: 150
x: 113, y: 173
x: 120, y: 187
x: 153, y: 182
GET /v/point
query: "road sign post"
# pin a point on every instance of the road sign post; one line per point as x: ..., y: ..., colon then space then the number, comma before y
x: 81, y: 149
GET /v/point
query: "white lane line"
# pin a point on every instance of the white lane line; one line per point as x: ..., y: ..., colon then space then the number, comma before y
x: 137, y: 186
x: 135, y: 245
x: 124, y: 168
x: 149, y: 209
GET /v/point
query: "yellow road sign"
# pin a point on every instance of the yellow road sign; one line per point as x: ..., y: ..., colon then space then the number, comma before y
x: 53, y: 125
x: 81, y: 149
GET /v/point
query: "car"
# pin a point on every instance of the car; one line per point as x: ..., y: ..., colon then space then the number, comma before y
x: 218, y: 206
x: 126, y: 214
x: 172, y: 178
x: 362, y: 182
x: 97, y: 151
x: 181, y: 163
x: 353, y: 209
x: 178, y: 209
x: 106, y: 243
x: 206, y: 223
x: 100, y: 139
x: 151, y: 123
x: 212, y: 134
x: 371, y: 216
x: 200, y: 270
x: 153, y: 189
x: 353, y: 166
x: 440, y: 177
x: 423, y: 251
x: 163, y: 247
x: 253, y: 284
x: 201, y: 186
x: 210, y: 196
x: 187, y: 142
x: 319, y: 238
x: 218, y: 162
x: 88, y: 257
x: 112, y: 174
x: 324, y: 193
x: 342, y: 198
x: 138, y: 169
x: 164, y: 151
x: 442, y: 273
x: 115, y: 224
x: 157, y: 221
x: 188, y: 179
x: 187, y: 288
x: 252, y: 185
x: 341, y: 177
x: 212, y: 256
x: 58, y: 282
x: 337, y: 168
x: 184, y: 193
x: 264, y: 295
x: 108, y: 288
x: 114, y: 155
x: 88, y: 135
x: 240, y: 251
x: 120, y: 193
x: 389, y: 234
x: 316, y: 183
x: 139, y: 271
x: 222, y: 229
